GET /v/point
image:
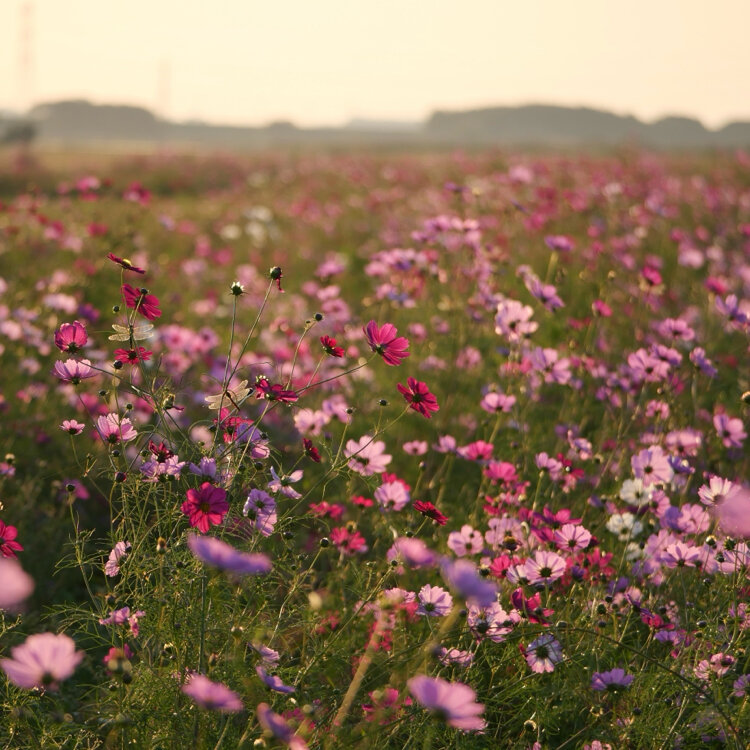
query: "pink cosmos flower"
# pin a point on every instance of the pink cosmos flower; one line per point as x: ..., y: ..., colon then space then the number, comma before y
x: 495, y: 402
x: 206, y: 506
x: 544, y: 568
x: 283, y: 483
x: 142, y: 302
x: 8, y: 544
x: 112, y: 566
x: 463, y: 578
x: 113, y: 429
x: 490, y: 621
x: 652, y: 466
x: 71, y: 337
x: 74, y: 371
x: 367, y: 456
x: 125, y: 264
x: 261, y: 508
x: 385, y: 342
x: 680, y: 555
x: 572, y: 537
x: 467, y: 541
x: 42, y: 661
x: 426, y: 508
x: 214, y: 696
x: 17, y: 585
x: 730, y: 429
x: 543, y: 653
x: 392, y: 496
x: 348, y: 542
x: 513, y: 320
x: 414, y: 552
x: 434, y: 601
x: 72, y: 427
x: 734, y: 513
x: 418, y: 396
x: 715, y: 491
x: 452, y: 702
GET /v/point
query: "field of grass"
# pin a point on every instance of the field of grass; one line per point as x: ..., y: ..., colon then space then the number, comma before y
x: 358, y: 450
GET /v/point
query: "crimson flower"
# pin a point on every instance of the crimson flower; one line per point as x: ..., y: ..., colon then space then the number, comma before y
x: 141, y: 301
x: 385, y: 342
x: 330, y: 346
x: 205, y: 507
x: 8, y: 544
x: 125, y: 263
x: 310, y: 450
x: 418, y: 396
x: 275, y: 392
x: 426, y: 508
x: 131, y: 356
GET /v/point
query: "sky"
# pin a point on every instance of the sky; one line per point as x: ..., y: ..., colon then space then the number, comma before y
x: 326, y: 61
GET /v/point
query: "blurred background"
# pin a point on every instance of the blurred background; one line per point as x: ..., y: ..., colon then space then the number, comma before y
x: 242, y: 74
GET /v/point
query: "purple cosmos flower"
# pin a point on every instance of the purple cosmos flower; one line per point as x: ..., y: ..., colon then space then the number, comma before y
x: 267, y: 654
x: 434, y: 601
x: 652, y: 466
x: 741, y: 686
x: 491, y: 622
x: 367, y: 456
x: 74, y: 371
x: 613, y: 680
x: 282, y: 483
x: 214, y: 696
x: 274, y: 682
x: 17, y: 585
x: 414, y: 552
x: 730, y: 429
x: 112, y: 566
x: 462, y: 577
x: 543, y: 653
x: 454, y: 656
x: 218, y: 554
x: 278, y: 728
x: 453, y: 702
x: 261, y: 508
x: 42, y: 661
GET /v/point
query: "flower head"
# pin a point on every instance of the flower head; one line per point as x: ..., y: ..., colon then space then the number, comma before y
x: 74, y: 371
x: 543, y: 653
x: 418, y: 396
x: 42, y: 661
x: 125, y: 263
x: 141, y: 301
x: 17, y: 584
x: 214, y: 696
x: 218, y: 554
x: 206, y: 506
x: 385, y: 342
x: 613, y: 680
x: 70, y: 337
x: 453, y: 702
x: 8, y: 544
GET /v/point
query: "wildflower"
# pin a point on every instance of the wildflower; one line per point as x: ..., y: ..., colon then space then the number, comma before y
x: 544, y: 568
x: 112, y: 566
x: 74, y: 371
x: 215, y: 696
x: 513, y: 320
x: 418, y: 396
x: 490, y: 621
x: 278, y: 728
x: 206, y: 506
x: 635, y: 492
x: 715, y: 491
x: 17, y: 584
x: 467, y: 541
x: 452, y: 702
x: 741, y: 686
x: 8, y: 544
x: 283, y: 483
x: 125, y: 263
x: 276, y: 275
x: 415, y: 447
x: 310, y: 450
x: 612, y: 681
x: 261, y: 507
x: 348, y: 542
x: 113, y: 429
x: 72, y: 426
x: 734, y: 513
x: 426, y: 508
x: 131, y: 356
x: 454, y: 656
x: 434, y: 601
x: 330, y: 347
x: 275, y: 392
x: 42, y: 661
x: 217, y: 554
x: 494, y: 402
x: 730, y: 430
x: 385, y: 342
x: 624, y: 525
x: 70, y: 337
x: 367, y: 456
x: 680, y: 555
x: 123, y: 616
x: 572, y: 537
x: 462, y: 577
x: 392, y: 496
x: 274, y: 682
x: 141, y: 301
x: 652, y: 466
x: 543, y: 653
x: 414, y: 552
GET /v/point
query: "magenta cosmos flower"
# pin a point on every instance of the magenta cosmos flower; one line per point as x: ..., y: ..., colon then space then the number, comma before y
x: 418, y: 396
x: 385, y: 342
x: 8, y: 544
x: 42, y: 661
x: 17, y: 585
x: 141, y: 301
x: 221, y: 555
x: 367, y: 456
x: 215, y: 696
x: 70, y: 337
x: 113, y: 429
x: 453, y: 702
x: 206, y: 506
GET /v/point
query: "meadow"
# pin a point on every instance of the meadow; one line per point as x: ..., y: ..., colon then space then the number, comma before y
x: 356, y: 450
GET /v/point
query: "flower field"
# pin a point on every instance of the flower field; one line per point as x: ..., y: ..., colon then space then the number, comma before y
x: 358, y: 450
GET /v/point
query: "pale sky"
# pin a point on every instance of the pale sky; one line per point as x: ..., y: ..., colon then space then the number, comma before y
x: 326, y: 61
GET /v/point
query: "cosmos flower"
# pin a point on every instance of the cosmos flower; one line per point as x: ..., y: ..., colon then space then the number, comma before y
x: 113, y: 429
x: 463, y: 578
x: 543, y: 653
x: 274, y: 682
x: 17, y: 584
x: 418, y: 396
x: 217, y: 554
x: 513, y: 320
x: 71, y: 337
x: 426, y: 508
x: 330, y: 347
x: 214, y: 696
x: 132, y: 356
x: 8, y: 544
x: 414, y: 552
x: 434, y: 601
x: 42, y: 661
x: 74, y: 371
x: 142, y: 302
x: 612, y: 681
x: 731, y: 430
x: 112, y: 566
x: 452, y: 702
x: 125, y: 264
x: 385, y: 342
x: 72, y: 426
x: 367, y: 456
x: 206, y: 506
x: 277, y: 727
